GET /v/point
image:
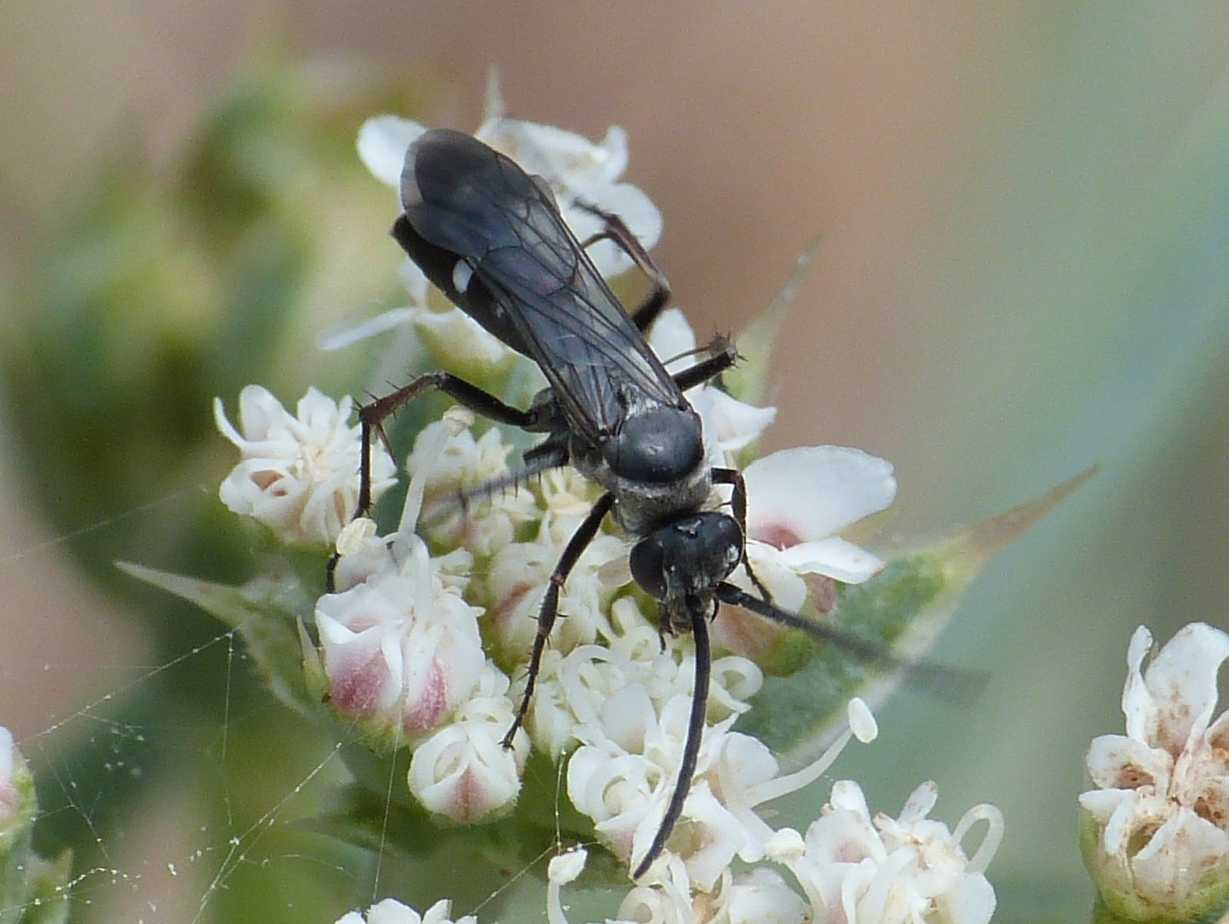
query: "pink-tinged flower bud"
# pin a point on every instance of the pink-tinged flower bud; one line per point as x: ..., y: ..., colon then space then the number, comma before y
x: 463, y: 771
x: 298, y: 474
x: 401, y: 651
x: 16, y: 784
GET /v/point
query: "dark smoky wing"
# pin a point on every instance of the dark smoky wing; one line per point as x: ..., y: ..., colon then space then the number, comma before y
x: 533, y: 285
x: 590, y: 351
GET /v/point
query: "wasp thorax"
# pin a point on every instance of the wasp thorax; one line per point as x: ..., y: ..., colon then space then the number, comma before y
x: 688, y: 557
x: 658, y: 445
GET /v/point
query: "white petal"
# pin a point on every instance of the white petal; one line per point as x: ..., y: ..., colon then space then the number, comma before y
x: 350, y: 332
x: 382, y: 143
x: 562, y: 157
x: 671, y: 335
x: 971, y: 901
x: 638, y: 212
x: 919, y: 803
x: 391, y: 911
x: 1180, y: 852
x: 809, y: 493
x: 862, y: 721
x: 762, y: 897
x: 561, y: 870
x: 728, y: 422
x: 1182, y: 681
x: 833, y: 557
x: 775, y: 572
x: 1119, y: 762
x: 1137, y: 703
x: 1102, y: 803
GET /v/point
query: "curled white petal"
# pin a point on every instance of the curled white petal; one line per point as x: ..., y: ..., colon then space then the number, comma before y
x: 671, y: 336
x: 382, y: 143
x: 809, y: 493
x: 862, y: 721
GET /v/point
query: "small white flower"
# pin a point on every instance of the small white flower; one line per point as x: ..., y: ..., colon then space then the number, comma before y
x: 401, y: 650
x: 391, y: 911
x: 518, y: 577
x: 624, y: 774
x: 862, y: 870
x: 1162, y: 803
x: 462, y: 771
x: 729, y: 424
x: 760, y: 896
x: 299, y: 475
x: 488, y: 523
x: 572, y: 688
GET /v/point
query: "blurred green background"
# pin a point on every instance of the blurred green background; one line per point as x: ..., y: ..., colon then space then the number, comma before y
x: 1024, y: 271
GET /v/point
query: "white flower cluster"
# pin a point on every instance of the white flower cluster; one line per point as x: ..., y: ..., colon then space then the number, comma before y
x: 427, y: 626
x: 391, y: 911
x: 1161, y: 806
x: 297, y: 474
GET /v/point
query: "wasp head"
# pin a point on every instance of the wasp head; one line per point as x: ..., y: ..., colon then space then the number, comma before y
x: 681, y: 563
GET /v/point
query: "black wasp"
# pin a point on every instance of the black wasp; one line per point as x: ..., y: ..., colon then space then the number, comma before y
x: 491, y: 238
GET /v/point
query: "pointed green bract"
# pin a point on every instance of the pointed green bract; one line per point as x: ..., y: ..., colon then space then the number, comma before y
x: 748, y: 380
x: 265, y: 613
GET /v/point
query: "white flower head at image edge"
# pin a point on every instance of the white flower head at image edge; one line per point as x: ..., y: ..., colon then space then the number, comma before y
x: 859, y: 869
x: 1158, y: 844
x: 577, y: 171
x: 297, y: 473
x: 11, y: 768
x: 391, y: 911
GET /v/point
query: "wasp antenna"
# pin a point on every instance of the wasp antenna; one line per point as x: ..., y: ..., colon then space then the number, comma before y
x: 948, y: 683
x: 691, y: 748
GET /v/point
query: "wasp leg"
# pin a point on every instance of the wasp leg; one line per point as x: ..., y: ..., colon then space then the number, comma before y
x: 372, y: 416
x: 550, y: 603
x: 739, y: 501
x: 535, y: 464
x: 615, y: 230
x: 723, y: 356
x: 691, y: 748
x: 949, y: 684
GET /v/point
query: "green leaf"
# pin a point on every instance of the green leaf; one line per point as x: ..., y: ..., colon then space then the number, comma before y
x: 748, y: 380
x: 903, y: 608
x: 47, y: 896
x: 265, y: 612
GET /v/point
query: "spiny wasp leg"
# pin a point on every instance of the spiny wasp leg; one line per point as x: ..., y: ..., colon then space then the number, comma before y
x: 734, y: 477
x: 372, y: 416
x: 550, y: 603
x: 723, y: 357
x: 618, y: 232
